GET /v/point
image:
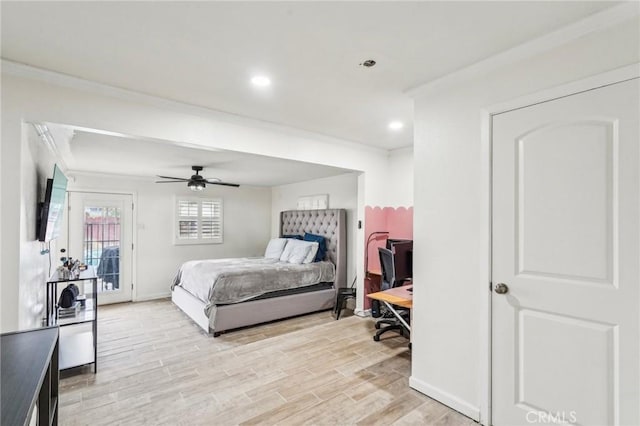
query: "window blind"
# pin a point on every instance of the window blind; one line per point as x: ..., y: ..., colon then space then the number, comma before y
x: 211, y: 219
x: 198, y: 221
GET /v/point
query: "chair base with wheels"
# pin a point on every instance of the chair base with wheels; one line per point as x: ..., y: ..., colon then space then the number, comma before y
x: 391, y: 324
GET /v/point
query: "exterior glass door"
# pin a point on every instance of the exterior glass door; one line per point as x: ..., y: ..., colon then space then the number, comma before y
x: 101, y: 244
x: 100, y: 235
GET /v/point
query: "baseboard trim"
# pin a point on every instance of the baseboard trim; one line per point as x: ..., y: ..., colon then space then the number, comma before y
x: 152, y: 296
x: 362, y: 312
x: 446, y: 398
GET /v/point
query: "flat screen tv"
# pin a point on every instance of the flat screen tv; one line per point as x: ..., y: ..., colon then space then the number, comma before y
x: 52, y: 209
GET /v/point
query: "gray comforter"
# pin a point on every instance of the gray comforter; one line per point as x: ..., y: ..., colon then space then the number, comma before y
x: 224, y: 281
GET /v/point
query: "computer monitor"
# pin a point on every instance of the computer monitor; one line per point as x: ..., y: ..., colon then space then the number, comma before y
x: 392, y: 241
x: 403, y: 258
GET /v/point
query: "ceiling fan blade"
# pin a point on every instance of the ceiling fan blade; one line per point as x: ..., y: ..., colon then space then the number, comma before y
x: 177, y: 179
x: 235, y: 185
x: 212, y: 181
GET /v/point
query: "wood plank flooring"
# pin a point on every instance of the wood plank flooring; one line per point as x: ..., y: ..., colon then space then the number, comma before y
x: 157, y: 367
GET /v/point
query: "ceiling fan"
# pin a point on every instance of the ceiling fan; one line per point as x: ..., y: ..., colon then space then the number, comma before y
x: 196, y: 182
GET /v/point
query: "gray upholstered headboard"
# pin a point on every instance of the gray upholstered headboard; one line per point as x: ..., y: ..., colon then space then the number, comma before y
x: 331, y: 224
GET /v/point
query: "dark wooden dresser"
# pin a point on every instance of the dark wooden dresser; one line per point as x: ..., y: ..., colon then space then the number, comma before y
x: 29, y: 377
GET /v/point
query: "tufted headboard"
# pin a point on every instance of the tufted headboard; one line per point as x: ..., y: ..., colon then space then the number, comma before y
x: 331, y: 224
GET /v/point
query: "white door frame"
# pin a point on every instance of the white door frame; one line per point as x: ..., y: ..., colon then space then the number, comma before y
x: 134, y: 230
x: 600, y: 80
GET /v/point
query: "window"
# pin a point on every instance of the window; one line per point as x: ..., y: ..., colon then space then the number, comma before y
x: 198, y: 221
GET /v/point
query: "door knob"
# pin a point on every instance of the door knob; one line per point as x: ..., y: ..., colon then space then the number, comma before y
x: 501, y: 288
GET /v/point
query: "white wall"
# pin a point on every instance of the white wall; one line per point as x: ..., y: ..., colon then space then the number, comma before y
x: 36, y: 166
x: 343, y: 194
x: 400, y: 180
x: 450, y: 248
x: 10, y: 187
x: 247, y: 220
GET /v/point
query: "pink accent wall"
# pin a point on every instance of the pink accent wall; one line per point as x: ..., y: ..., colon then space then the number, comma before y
x: 397, y: 221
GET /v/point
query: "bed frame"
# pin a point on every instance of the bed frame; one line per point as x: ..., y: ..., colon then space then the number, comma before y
x: 331, y: 224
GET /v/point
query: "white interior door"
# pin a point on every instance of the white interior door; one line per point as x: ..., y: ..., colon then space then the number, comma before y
x: 100, y: 234
x: 565, y: 335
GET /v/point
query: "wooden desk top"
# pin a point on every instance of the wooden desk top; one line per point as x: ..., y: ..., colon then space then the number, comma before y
x: 396, y: 296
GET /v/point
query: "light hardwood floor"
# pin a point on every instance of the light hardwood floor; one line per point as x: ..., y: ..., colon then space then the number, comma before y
x: 156, y: 367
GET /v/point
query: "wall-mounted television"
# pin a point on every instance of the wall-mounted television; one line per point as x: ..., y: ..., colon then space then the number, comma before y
x: 52, y: 209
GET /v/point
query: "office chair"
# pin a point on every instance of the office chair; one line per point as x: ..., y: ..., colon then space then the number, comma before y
x: 389, y: 280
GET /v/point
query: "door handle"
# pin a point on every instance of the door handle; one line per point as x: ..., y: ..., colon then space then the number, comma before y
x: 501, y: 288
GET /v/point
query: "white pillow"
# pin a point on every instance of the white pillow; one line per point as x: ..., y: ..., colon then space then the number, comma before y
x: 312, y: 252
x: 295, y: 251
x: 275, y: 248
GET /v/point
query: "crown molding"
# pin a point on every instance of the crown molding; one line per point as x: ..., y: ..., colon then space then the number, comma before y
x: 75, y: 173
x: 401, y: 150
x: 48, y: 140
x: 21, y: 70
x: 618, y: 75
x: 596, y: 22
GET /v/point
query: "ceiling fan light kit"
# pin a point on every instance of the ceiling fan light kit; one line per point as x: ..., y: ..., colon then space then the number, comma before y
x: 196, y: 186
x: 196, y: 182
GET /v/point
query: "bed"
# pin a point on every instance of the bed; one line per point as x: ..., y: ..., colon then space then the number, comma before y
x: 216, y: 317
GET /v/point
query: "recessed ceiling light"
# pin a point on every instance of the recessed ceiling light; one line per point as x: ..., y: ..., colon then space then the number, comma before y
x: 261, y: 81
x: 396, y: 125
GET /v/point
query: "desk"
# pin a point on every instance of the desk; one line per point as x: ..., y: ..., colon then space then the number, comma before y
x: 398, y: 296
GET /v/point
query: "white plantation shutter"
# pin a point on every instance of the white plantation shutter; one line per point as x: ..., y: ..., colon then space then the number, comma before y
x: 198, y: 221
x: 187, y: 220
x: 211, y: 219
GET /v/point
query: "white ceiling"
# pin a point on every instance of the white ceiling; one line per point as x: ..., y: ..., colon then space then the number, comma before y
x: 94, y: 153
x: 204, y: 53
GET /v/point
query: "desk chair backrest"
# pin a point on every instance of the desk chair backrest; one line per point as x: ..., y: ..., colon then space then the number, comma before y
x: 388, y: 268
